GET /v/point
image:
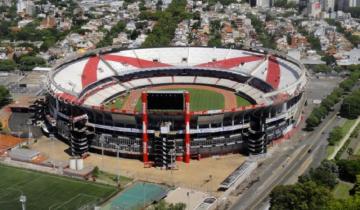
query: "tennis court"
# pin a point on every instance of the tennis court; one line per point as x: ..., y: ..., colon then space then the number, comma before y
x: 138, y: 196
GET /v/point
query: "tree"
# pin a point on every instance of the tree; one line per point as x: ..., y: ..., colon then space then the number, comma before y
x: 329, y: 59
x: 28, y: 63
x: 280, y: 3
x: 215, y: 41
x: 167, y: 21
x: 352, y: 203
x: 312, y: 121
x: 288, y: 38
x: 335, y: 135
x: 7, y: 65
x: 197, y: 15
x: 301, y: 196
x: 162, y: 205
x: 350, y: 107
x: 314, y: 42
x: 350, y: 151
x: 321, y: 68
x: 5, y: 97
x: 325, y: 175
x: 96, y: 172
x: 348, y: 169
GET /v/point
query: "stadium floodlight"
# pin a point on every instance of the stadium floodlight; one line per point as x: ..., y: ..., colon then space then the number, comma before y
x: 117, y: 156
x: 23, y: 201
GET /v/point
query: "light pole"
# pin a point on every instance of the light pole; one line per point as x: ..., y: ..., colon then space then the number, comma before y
x: 117, y: 156
x: 52, y: 139
x: 102, y: 141
x: 23, y: 202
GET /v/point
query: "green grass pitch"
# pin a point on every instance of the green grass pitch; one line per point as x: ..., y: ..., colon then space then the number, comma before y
x: 199, y: 99
x: 118, y: 103
x: 240, y: 101
x: 45, y: 191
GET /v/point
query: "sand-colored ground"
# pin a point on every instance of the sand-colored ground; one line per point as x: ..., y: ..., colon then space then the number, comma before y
x: 53, y: 149
x: 204, y: 175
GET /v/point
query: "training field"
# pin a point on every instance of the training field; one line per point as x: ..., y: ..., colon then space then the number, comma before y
x: 44, y: 191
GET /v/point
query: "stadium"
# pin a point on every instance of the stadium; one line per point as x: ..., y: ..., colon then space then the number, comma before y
x: 174, y: 103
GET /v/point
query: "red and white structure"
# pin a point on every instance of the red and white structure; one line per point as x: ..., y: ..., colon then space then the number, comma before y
x: 81, y: 85
x: 187, y: 127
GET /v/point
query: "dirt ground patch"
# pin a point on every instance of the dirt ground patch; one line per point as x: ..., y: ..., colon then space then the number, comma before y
x: 204, y: 175
x: 54, y: 149
x: 7, y: 142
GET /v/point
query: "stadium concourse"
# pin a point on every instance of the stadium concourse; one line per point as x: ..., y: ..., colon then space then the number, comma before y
x: 164, y: 128
x: 218, y: 167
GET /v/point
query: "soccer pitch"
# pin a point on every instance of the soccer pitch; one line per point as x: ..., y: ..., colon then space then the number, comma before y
x: 200, y: 99
x: 45, y: 191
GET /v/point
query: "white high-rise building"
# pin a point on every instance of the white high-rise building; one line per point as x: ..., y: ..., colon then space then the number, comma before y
x: 328, y: 5
x: 354, y: 3
x: 27, y: 7
x: 314, y: 8
x: 263, y: 3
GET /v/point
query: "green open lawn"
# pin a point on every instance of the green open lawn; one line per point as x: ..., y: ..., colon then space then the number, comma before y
x: 204, y: 100
x: 347, y: 125
x: 240, y: 101
x: 45, y: 191
x: 344, y: 130
x: 342, y: 189
x: 117, y: 103
x: 199, y: 99
x: 329, y: 150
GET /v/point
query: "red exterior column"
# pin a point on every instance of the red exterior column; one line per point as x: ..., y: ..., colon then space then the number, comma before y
x: 187, y: 128
x: 144, y: 126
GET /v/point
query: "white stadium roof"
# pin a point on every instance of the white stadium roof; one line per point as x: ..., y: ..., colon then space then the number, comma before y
x: 72, y: 77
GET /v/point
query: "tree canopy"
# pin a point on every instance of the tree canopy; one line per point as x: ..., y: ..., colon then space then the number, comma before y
x: 351, y: 105
x: 325, y: 175
x: 28, y: 63
x: 167, y: 21
x: 5, y: 97
x: 301, y: 196
x: 162, y: 205
x: 7, y: 65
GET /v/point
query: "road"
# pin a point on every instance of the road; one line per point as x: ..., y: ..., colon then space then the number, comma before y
x: 284, y: 167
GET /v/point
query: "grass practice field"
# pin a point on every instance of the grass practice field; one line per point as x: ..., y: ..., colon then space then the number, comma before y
x: 44, y: 191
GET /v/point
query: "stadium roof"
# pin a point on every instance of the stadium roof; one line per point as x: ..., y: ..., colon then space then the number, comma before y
x: 69, y: 79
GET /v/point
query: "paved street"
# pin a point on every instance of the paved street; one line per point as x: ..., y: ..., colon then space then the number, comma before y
x: 294, y: 158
